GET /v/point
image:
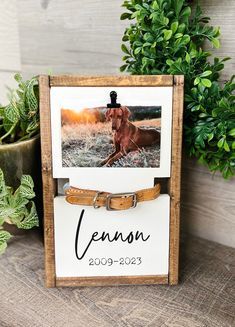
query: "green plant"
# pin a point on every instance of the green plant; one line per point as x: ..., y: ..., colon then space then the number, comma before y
x: 16, y: 207
x: 19, y: 120
x: 167, y: 38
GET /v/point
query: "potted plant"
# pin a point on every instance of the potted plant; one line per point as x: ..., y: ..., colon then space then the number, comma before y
x: 167, y: 38
x: 19, y: 133
x: 16, y: 208
x: 20, y: 156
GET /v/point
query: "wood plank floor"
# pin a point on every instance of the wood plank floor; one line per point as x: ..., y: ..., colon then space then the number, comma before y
x: 204, y: 298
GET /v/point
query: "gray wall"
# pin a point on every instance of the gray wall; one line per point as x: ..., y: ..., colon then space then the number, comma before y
x: 84, y: 37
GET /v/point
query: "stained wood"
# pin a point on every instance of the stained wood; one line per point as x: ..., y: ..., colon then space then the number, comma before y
x: 49, y: 184
x: 174, y: 184
x: 111, y: 280
x: 69, y: 80
x: 175, y: 179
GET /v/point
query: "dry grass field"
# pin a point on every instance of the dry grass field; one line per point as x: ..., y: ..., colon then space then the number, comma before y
x: 86, y: 145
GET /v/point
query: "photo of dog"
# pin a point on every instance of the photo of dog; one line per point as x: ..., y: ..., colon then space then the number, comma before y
x: 128, y: 136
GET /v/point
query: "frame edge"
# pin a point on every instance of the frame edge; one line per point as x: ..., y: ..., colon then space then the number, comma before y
x: 175, y: 178
x: 47, y: 180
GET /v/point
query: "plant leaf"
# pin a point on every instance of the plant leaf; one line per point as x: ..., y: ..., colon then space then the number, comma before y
x: 206, y: 82
x: 4, y: 237
x: 167, y: 34
x: 30, y: 220
x: 26, y: 187
x: 206, y: 73
x: 124, y: 49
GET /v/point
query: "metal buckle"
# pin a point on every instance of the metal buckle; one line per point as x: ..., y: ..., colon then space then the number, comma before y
x: 95, y: 199
x: 121, y: 195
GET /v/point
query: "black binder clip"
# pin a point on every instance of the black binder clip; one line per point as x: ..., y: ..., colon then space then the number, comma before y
x: 113, y: 97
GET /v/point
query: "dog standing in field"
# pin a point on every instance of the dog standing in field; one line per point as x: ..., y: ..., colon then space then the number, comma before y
x: 127, y: 136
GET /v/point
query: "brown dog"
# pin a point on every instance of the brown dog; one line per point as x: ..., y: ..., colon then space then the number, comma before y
x: 127, y: 136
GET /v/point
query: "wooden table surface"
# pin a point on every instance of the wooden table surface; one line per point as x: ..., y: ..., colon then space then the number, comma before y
x: 205, y: 296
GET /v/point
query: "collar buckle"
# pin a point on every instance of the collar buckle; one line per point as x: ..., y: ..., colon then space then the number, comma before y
x: 121, y: 195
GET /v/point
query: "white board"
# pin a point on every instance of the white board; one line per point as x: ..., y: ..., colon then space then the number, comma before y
x: 146, y: 254
x: 100, y: 177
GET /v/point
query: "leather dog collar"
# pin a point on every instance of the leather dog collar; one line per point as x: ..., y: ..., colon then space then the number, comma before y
x: 112, y: 201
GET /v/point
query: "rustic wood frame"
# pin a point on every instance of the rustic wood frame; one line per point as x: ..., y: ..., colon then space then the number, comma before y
x: 49, y: 184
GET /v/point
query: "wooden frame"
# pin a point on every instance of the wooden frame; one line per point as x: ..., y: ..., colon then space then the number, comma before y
x: 49, y: 184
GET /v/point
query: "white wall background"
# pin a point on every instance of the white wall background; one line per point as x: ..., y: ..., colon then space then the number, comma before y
x: 84, y: 37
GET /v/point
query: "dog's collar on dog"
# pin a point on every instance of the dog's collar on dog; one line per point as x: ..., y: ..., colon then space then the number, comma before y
x: 112, y: 201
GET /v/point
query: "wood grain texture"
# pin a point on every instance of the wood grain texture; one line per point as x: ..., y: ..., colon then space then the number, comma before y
x: 9, y: 48
x: 174, y: 185
x: 222, y: 14
x: 204, y: 298
x: 122, y: 80
x: 49, y: 184
x: 6, y: 81
x: 175, y: 179
x: 111, y: 280
x: 9, y: 37
x: 208, y: 204
x: 76, y: 36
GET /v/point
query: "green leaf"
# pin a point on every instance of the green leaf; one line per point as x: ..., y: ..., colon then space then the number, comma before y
x: 12, y: 113
x: 18, y: 78
x: 210, y: 137
x: 26, y: 187
x: 7, y: 124
x: 187, y: 58
x: 178, y: 6
x: 206, y: 73
x: 155, y: 5
x: 206, y: 82
x: 15, y: 207
x: 169, y: 62
x: 181, y: 28
x: 124, y: 49
x: 186, y: 12
x: 232, y: 132
x: 196, y: 108
x: 196, y: 81
x: 123, y: 68
x: 226, y: 146
x: 125, y: 38
x: 215, y: 42
x: 167, y: 34
x: 125, y: 15
x: 185, y: 39
x: 30, y: 220
x: 31, y: 98
x: 178, y: 35
x: 4, y: 237
x: 174, y: 27
x: 137, y: 50
x: 220, y: 143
